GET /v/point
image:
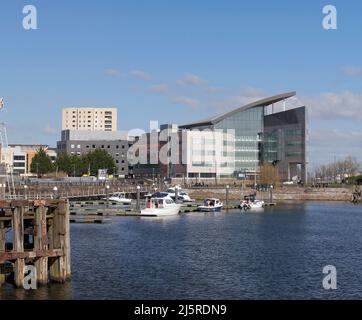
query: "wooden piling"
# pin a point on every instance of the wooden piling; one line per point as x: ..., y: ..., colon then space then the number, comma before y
x: 18, y: 244
x: 51, y: 238
x: 41, y: 243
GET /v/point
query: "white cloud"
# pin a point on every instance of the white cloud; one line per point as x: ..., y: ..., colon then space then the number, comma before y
x: 351, y: 71
x: 159, y: 88
x: 141, y: 74
x: 111, y: 72
x: 325, y: 144
x: 193, y: 103
x: 335, y: 105
x: 192, y: 80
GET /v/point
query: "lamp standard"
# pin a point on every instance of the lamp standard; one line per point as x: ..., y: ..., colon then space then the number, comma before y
x: 227, y: 197
x: 55, y: 192
x: 107, y: 194
x: 138, y: 206
x: 25, y: 192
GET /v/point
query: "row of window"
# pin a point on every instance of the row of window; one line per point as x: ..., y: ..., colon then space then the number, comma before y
x: 72, y: 146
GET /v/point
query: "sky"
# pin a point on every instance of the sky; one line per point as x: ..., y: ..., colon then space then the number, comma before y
x: 178, y: 61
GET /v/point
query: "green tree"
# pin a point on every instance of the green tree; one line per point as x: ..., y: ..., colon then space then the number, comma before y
x: 72, y: 164
x: 99, y: 159
x: 41, y: 163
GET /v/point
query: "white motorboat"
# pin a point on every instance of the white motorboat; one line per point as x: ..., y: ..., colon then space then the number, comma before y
x: 211, y: 205
x: 120, y: 197
x: 250, y: 203
x: 182, y: 195
x: 160, y: 207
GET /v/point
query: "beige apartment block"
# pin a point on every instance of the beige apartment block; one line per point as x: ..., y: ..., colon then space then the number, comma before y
x: 89, y: 119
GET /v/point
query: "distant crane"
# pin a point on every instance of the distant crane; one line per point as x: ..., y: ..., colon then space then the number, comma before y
x: 4, y: 144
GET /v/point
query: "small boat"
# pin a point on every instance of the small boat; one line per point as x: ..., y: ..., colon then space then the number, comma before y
x: 120, y: 197
x: 250, y: 203
x: 160, y: 207
x: 211, y: 205
x: 182, y: 195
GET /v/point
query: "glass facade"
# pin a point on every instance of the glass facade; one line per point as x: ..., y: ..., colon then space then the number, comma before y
x: 248, y: 126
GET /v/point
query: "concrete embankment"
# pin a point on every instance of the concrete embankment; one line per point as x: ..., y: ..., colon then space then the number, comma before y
x: 279, y: 194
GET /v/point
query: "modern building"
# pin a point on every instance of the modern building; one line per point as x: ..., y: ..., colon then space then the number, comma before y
x: 263, y: 135
x: 233, y: 144
x: 77, y: 142
x: 89, y: 119
x: 18, y: 158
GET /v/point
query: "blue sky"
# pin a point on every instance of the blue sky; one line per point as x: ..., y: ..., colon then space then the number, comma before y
x: 178, y: 61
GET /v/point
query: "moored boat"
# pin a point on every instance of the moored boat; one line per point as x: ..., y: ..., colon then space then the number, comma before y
x: 120, y: 197
x: 211, y: 205
x: 160, y: 207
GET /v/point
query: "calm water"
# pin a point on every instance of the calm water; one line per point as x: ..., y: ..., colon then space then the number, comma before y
x: 279, y: 253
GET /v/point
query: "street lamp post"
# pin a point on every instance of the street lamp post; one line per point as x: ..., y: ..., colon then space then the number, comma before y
x: 55, y: 192
x: 107, y: 195
x: 227, y: 197
x: 138, y: 206
x: 25, y: 192
x: 271, y: 194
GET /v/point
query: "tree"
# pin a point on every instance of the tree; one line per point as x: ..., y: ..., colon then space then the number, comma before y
x: 99, y: 159
x: 72, y: 165
x: 269, y: 174
x: 41, y: 163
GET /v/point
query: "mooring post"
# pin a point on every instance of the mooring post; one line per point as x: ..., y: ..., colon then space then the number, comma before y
x: 41, y: 244
x: 18, y: 245
x: 2, y: 248
x: 58, y: 265
x: 176, y: 194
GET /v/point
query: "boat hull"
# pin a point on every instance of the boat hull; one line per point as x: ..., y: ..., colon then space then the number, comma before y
x: 210, y: 209
x: 163, y: 212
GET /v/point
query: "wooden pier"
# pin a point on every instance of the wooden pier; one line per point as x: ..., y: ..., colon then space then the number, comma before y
x: 40, y: 237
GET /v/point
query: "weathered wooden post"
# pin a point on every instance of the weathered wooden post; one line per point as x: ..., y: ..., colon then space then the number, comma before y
x: 227, y: 197
x: 59, y: 265
x: 18, y: 244
x: 41, y: 244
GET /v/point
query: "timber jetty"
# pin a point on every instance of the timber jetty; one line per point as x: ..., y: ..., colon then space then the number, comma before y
x: 40, y: 238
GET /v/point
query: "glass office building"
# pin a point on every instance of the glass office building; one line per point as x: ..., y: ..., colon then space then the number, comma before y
x: 261, y: 137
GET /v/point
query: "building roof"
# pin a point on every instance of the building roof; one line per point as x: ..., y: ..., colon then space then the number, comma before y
x: 263, y: 102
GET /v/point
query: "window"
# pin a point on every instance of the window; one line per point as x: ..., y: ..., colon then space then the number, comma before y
x: 123, y: 147
x: 78, y: 146
x: 94, y: 146
x: 123, y: 161
x: 19, y: 164
x: 72, y: 146
x: 117, y: 154
x: 19, y: 158
x: 122, y: 169
x: 87, y: 146
x: 117, y: 161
